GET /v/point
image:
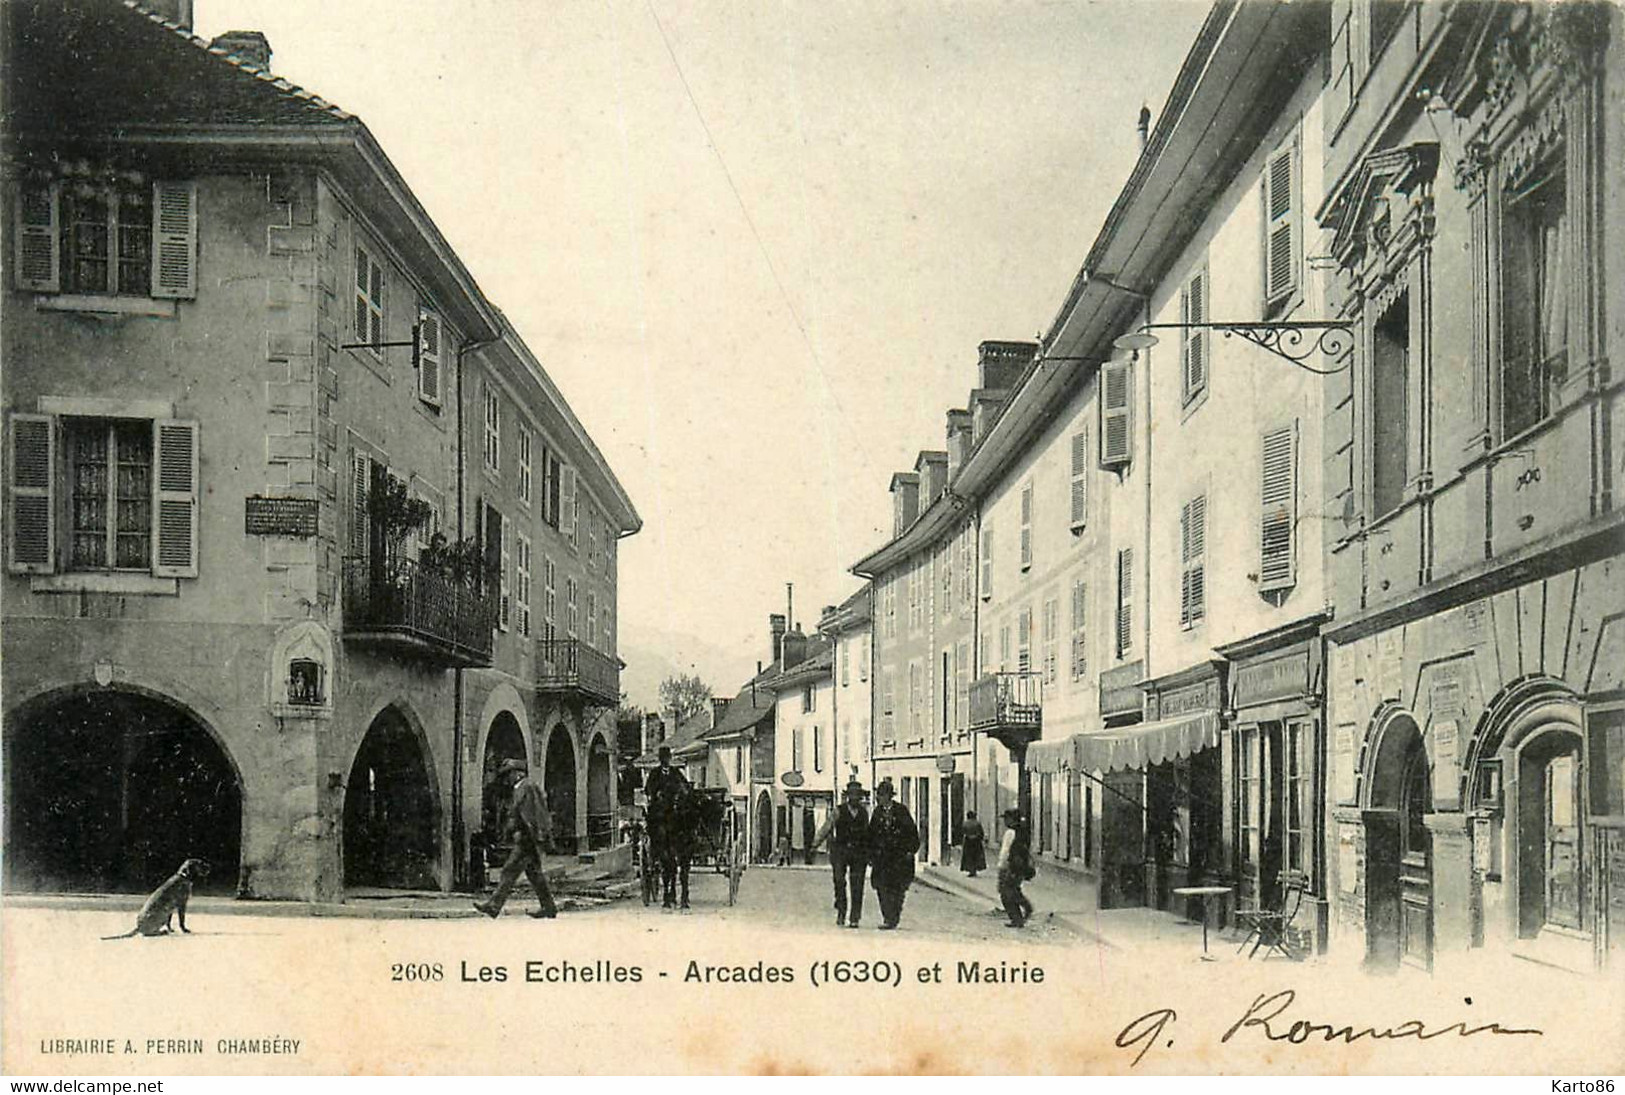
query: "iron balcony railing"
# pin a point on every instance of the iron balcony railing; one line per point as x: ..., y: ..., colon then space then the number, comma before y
x: 1007, y: 700
x: 569, y: 665
x: 436, y: 614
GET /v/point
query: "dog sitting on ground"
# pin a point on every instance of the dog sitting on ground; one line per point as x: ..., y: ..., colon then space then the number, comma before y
x: 167, y: 902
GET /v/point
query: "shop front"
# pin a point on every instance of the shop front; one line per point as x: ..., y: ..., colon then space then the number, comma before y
x: 1273, y: 788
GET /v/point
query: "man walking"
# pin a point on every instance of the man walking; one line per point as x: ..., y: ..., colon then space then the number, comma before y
x: 532, y: 829
x: 848, y: 833
x: 1015, y: 867
x: 893, y: 840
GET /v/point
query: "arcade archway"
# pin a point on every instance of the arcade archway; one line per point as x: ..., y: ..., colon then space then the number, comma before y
x: 503, y: 743
x: 111, y: 790
x: 600, y: 796
x: 391, y: 817
x: 764, y: 827
x: 559, y: 782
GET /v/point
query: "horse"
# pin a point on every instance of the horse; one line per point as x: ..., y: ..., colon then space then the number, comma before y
x: 679, y: 825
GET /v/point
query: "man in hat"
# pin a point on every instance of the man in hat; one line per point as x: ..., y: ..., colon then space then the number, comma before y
x: 893, y: 840
x: 532, y: 828
x: 1015, y: 867
x: 663, y: 784
x: 847, y: 831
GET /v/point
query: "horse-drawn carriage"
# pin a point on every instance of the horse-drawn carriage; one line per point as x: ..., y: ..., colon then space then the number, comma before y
x: 694, y: 828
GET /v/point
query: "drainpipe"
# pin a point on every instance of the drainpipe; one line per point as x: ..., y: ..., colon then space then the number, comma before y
x: 462, y: 876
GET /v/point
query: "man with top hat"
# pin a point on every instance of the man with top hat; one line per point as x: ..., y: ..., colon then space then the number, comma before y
x: 665, y: 783
x: 532, y: 828
x: 847, y: 831
x: 893, y: 840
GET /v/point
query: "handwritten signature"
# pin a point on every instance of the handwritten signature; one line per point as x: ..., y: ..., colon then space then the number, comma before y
x: 1264, y: 1016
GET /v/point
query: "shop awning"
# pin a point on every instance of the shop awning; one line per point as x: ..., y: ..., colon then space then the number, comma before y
x: 1046, y: 757
x: 1131, y: 747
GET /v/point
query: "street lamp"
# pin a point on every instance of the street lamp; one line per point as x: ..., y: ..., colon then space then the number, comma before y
x: 1295, y: 342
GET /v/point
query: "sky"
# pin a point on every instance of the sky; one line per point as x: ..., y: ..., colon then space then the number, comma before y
x: 755, y: 245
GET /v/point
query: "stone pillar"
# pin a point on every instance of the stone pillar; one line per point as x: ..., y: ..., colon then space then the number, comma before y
x: 1452, y: 865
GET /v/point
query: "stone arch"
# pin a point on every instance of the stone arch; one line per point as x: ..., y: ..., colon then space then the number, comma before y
x: 505, y: 697
x: 562, y: 779
x: 86, y: 813
x: 600, y: 791
x: 1519, y: 709
x: 391, y: 817
x: 1389, y: 736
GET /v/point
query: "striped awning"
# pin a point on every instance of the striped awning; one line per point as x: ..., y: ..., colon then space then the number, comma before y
x: 1045, y: 757
x: 1130, y: 747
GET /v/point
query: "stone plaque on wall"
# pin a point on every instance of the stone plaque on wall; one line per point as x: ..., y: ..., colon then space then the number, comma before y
x: 279, y: 516
x: 1446, y: 766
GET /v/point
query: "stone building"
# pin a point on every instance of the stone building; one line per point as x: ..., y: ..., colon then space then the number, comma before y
x: 256, y: 606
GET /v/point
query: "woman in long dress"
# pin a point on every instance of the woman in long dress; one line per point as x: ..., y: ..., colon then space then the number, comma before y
x: 973, y: 857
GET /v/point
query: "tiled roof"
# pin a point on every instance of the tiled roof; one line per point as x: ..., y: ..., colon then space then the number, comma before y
x: 78, y: 66
x: 748, y: 709
x: 687, y: 733
x: 818, y: 663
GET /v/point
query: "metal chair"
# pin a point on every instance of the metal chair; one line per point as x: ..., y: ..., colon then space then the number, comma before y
x: 1269, y: 928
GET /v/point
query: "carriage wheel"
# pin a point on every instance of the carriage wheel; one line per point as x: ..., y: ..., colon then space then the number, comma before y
x: 643, y: 872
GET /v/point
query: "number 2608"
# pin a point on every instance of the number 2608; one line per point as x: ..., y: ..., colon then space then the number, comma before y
x: 416, y: 971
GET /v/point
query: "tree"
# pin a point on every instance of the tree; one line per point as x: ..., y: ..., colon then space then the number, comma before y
x: 683, y: 697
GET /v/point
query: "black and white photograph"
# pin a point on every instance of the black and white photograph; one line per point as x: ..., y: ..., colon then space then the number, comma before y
x: 1039, y: 537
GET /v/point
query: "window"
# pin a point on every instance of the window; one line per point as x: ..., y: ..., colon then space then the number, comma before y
x: 961, y: 686
x: 1281, y: 243
x: 1390, y: 393
x: 493, y: 429
x: 592, y: 618
x: 916, y: 700
x: 571, y: 611
x: 522, y: 583
x: 1116, y: 414
x: 428, y: 357
x: 608, y: 634
x: 1004, y: 647
x: 569, y: 505
x: 1278, y: 513
x: 1534, y: 299
x: 524, y: 464
x: 1125, y: 599
x: 795, y: 749
x: 987, y: 561
x: 609, y: 550
x: 1079, y: 514
x: 550, y: 599
x: 550, y: 488
x: 967, y: 574
x: 1298, y: 818
x: 808, y: 700
x: 1024, y: 640
x: 504, y: 592
x: 369, y: 301
x: 1193, y: 341
x: 1027, y: 526
x: 1192, y: 561
x: 129, y: 495
x: 846, y: 663
x: 915, y: 581
x: 108, y: 236
x: 739, y: 764
x: 1051, y: 635
x: 1080, y: 621
x: 818, y: 749
x: 888, y: 704
x: 863, y: 660
x: 945, y: 571
x: 1247, y: 769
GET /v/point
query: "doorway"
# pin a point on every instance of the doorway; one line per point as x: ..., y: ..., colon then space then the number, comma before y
x: 391, y: 820
x: 1550, y: 836
x: 1399, y: 867
x: 559, y: 781
x: 764, y: 827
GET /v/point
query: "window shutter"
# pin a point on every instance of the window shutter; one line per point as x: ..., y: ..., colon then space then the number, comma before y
x: 360, y: 484
x: 567, y: 503
x: 1026, y: 526
x: 1280, y: 248
x: 1193, y: 350
x: 429, y: 358
x: 987, y: 562
x: 504, y: 599
x: 39, y: 255
x: 1279, y: 509
x: 1080, y: 479
x: 1080, y: 609
x: 174, y: 528
x: 1115, y: 422
x: 174, y: 239
x: 32, y: 516
x: 1125, y: 598
x: 1192, y: 546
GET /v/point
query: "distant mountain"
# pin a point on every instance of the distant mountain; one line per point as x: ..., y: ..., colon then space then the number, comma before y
x: 652, y: 654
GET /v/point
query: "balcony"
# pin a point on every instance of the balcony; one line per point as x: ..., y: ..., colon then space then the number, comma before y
x: 1008, y: 707
x: 571, y: 667
x: 406, y: 608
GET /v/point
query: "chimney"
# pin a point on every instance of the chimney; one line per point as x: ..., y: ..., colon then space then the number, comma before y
x: 1000, y: 364
x: 905, y: 499
x: 245, y: 45
x: 1143, y: 128
x: 178, y: 12
x: 932, y: 468
x: 959, y: 438
x: 718, y: 705
x: 795, y: 649
x: 984, y: 411
x: 776, y: 627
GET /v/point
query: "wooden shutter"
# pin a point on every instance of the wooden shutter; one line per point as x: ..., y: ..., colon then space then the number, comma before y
x: 429, y: 357
x: 1116, y: 391
x: 38, y: 255
x: 987, y: 562
x: 1193, y: 347
x: 504, y: 591
x: 1125, y: 597
x: 174, y: 239
x: 1278, y: 516
x: 1280, y: 225
x: 1080, y: 610
x: 175, y: 494
x: 1080, y: 479
x: 33, y: 512
x: 1024, y: 639
x: 360, y: 488
x: 1192, y: 546
x: 1026, y: 526
x: 567, y: 503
